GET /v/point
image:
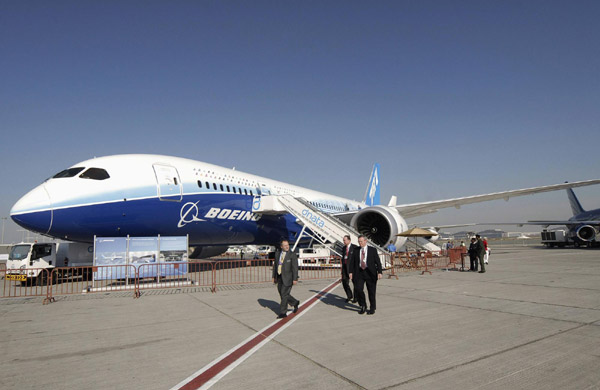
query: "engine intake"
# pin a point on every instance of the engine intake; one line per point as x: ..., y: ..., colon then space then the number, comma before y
x: 586, y: 233
x: 380, y: 224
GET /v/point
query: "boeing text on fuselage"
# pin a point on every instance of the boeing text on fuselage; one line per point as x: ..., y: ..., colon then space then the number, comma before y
x: 189, y: 214
x: 237, y: 215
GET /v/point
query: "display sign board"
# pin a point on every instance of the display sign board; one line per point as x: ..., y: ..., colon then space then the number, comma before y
x: 164, y: 256
x: 110, y: 251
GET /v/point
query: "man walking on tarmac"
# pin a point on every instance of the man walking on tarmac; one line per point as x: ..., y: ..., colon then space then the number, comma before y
x: 348, y: 251
x: 285, y: 274
x: 365, y: 267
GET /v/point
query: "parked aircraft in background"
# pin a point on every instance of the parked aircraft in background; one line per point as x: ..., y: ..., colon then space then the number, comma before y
x: 148, y: 195
x: 584, y: 226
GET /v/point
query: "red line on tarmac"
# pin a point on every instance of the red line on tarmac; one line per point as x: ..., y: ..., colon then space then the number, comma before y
x: 213, y: 369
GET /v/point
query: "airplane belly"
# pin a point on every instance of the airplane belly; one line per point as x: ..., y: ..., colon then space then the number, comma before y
x: 207, y: 219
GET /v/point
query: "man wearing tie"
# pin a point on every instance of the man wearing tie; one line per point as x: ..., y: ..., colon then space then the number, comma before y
x: 285, y: 274
x: 348, y: 251
x: 365, y: 267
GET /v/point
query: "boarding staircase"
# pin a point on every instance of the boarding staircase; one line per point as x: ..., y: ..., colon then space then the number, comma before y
x: 421, y: 244
x: 325, y: 228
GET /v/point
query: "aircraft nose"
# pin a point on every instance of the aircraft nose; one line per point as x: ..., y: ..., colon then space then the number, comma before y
x: 34, y: 211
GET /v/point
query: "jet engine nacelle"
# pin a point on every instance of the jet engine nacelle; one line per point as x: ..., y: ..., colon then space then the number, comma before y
x: 434, y: 235
x: 204, y: 252
x: 586, y: 233
x: 380, y: 224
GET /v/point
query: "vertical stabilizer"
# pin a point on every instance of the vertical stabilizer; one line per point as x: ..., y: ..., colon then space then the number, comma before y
x: 372, y: 194
x: 575, y: 205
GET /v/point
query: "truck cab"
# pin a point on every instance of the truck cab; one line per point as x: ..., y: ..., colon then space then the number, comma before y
x: 29, y: 262
x: 26, y: 260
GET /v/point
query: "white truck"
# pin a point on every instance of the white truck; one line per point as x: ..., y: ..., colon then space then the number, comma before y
x: 34, y: 262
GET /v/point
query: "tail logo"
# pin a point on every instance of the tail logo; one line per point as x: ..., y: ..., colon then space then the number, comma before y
x: 374, y: 184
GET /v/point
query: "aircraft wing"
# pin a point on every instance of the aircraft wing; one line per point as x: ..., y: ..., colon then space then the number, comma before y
x: 542, y: 223
x: 416, y: 209
x: 438, y: 227
x: 561, y: 223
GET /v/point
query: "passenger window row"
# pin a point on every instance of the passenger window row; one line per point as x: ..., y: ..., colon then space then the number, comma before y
x: 326, y: 206
x: 222, y: 188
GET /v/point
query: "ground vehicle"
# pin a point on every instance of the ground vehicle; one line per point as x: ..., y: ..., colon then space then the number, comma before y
x: 29, y: 262
x: 552, y: 238
x: 317, y: 256
x: 263, y: 251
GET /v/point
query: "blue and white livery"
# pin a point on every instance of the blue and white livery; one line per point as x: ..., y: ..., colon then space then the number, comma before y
x: 146, y: 195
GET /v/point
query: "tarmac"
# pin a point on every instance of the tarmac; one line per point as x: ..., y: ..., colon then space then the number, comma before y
x: 532, y: 321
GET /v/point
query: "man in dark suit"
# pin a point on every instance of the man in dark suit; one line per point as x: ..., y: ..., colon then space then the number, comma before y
x: 480, y: 252
x: 285, y: 274
x: 347, y: 253
x: 473, y: 255
x: 365, y: 267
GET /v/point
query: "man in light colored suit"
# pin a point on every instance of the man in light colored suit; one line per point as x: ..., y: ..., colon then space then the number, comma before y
x: 285, y: 275
x: 365, y: 267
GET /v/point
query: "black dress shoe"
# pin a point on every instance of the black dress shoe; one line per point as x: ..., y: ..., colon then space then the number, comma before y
x: 481, y: 272
x: 282, y: 315
x: 348, y: 300
x: 362, y: 310
x: 354, y: 301
x: 370, y: 312
x: 296, y: 307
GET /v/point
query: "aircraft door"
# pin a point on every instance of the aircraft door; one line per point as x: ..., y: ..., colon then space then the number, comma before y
x: 264, y: 190
x: 168, y: 182
x: 261, y: 190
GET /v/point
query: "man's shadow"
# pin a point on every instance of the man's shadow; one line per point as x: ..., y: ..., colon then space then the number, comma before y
x: 274, y: 306
x: 338, y: 301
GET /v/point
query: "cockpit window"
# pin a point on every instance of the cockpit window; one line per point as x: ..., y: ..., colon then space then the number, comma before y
x: 68, y: 172
x: 95, y: 174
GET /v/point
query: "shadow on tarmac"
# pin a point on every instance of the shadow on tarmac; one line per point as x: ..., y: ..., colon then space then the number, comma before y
x: 338, y: 301
x: 274, y: 306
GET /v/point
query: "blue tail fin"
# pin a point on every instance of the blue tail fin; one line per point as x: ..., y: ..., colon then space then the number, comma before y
x: 575, y: 205
x: 372, y: 194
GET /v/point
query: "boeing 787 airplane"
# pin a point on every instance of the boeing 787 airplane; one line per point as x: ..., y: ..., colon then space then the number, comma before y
x: 148, y: 195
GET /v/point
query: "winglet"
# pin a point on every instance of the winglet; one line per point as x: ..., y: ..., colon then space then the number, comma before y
x: 393, y: 201
x: 372, y: 194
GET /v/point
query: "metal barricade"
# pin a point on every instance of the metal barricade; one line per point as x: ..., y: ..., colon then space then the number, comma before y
x: 92, y: 279
x: 71, y: 280
x: 15, y: 282
x: 175, y: 275
x: 229, y: 272
x: 457, y: 257
x: 331, y: 270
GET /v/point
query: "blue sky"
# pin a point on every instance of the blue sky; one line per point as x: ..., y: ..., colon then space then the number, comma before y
x: 452, y: 98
